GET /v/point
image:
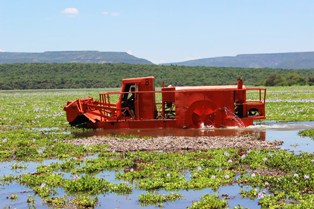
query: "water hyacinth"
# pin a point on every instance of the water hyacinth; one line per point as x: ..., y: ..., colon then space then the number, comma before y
x: 260, y: 195
x: 75, y: 177
x: 273, y: 172
x: 41, y: 150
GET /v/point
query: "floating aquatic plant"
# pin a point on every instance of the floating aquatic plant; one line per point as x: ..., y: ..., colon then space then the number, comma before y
x: 92, y: 185
x: 84, y: 201
x: 57, y: 202
x: 33, y: 130
x: 151, y: 198
x: 210, y: 202
x: 307, y: 132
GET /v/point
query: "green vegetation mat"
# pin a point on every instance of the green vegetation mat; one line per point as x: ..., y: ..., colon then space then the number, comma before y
x: 33, y: 128
x: 308, y: 132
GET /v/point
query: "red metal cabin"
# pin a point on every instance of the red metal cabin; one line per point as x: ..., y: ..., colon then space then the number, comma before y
x: 139, y: 105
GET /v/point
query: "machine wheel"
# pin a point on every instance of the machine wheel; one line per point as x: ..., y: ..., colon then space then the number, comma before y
x: 201, y: 113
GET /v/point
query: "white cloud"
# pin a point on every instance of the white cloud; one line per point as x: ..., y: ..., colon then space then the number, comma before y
x: 129, y: 52
x: 113, y: 14
x: 1, y: 50
x: 71, y: 11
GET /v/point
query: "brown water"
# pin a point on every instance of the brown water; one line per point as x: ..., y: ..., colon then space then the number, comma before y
x: 283, y: 131
x: 173, y: 132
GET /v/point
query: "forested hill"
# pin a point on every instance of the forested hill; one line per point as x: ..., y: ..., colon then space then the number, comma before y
x: 292, y: 60
x: 70, y: 57
x: 78, y: 75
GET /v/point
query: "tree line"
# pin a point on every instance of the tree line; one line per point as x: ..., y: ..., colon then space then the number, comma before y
x: 77, y: 75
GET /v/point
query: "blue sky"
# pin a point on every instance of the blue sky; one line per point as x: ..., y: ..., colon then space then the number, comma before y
x: 161, y: 30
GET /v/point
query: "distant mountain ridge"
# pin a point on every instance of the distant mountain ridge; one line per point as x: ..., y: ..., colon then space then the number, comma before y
x: 70, y: 57
x: 290, y: 60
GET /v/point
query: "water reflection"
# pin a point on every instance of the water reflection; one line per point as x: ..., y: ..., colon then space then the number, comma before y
x: 283, y: 131
x: 174, y: 132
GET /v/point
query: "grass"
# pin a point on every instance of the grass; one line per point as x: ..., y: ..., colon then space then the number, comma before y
x: 33, y: 128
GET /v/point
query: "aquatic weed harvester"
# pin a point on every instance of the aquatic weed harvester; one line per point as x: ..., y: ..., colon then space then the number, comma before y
x: 139, y: 105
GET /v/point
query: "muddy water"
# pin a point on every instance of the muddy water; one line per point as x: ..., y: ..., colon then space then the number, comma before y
x: 283, y: 131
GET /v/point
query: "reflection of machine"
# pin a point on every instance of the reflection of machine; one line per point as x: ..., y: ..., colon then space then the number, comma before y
x: 180, y: 107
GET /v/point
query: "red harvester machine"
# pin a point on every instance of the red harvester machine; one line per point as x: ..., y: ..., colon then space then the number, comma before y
x: 139, y: 105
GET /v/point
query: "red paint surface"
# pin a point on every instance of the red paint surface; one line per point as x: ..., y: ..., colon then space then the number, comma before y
x: 180, y: 107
